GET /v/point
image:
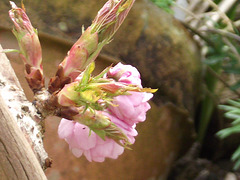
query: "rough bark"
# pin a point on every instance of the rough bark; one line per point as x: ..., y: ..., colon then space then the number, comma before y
x: 20, y: 156
x: 17, y: 160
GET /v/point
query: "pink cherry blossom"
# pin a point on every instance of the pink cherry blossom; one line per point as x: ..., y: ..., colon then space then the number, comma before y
x: 125, y: 73
x: 131, y: 108
x: 127, y: 111
x: 82, y: 142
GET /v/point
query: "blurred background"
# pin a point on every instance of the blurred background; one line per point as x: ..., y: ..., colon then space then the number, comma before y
x: 189, y: 50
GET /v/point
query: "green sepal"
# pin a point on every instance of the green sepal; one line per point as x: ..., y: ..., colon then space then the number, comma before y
x: 87, y: 74
x: 102, y: 73
x: 100, y: 133
x: 9, y: 51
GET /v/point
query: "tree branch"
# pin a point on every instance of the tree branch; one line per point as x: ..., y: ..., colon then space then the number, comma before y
x: 17, y: 160
x: 16, y: 112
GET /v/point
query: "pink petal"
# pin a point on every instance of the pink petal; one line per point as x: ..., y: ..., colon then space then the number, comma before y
x: 147, y: 97
x: 136, y: 98
x: 116, y: 151
x: 88, y: 155
x: 103, y: 150
x: 65, y: 128
x: 125, y: 107
x: 84, y: 140
x: 77, y: 152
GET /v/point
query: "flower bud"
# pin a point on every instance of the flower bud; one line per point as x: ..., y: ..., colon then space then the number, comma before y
x: 89, y: 45
x: 125, y: 73
x: 110, y: 18
x: 79, y: 54
x: 30, y: 48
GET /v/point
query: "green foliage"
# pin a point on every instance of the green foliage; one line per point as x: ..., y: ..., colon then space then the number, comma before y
x: 232, y: 112
x: 222, y: 58
x: 164, y: 4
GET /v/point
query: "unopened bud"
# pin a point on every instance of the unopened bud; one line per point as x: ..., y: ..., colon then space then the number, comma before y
x: 30, y: 48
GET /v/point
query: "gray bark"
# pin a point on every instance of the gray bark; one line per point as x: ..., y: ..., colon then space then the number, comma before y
x: 22, y: 155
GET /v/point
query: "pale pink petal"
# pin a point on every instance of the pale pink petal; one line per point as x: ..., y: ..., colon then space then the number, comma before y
x: 116, y: 151
x: 77, y: 152
x: 88, y: 155
x: 65, y: 128
x: 103, y: 150
x: 98, y: 159
x: 84, y: 140
x: 109, y: 149
x: 136, y: 98
x: 147, y: 97
x: 124, y: 107
x: 129, y: 130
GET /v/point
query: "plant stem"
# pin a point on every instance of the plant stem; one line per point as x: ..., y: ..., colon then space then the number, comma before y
x: 208, y: 103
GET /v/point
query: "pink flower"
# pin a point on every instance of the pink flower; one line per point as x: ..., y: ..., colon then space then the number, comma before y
x: 127, y: 111
x: 131, y: 108
x: 82, y: 142
x: 125, y: 73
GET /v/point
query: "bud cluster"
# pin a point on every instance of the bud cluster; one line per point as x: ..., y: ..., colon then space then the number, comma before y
x: 91, y: 42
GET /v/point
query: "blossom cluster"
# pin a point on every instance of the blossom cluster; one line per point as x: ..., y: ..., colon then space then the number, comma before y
x: 126, y: 111
x: 101, y: 111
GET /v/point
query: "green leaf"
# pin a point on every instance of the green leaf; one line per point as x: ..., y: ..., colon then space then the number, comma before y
x: 233, y: 112
x: 228, y: 131
x: 236, y: 121
x: 231, y: 115
x: 236, y: 165
x: 235, y: 86
x: 102, y: 73
x: 234, y: 103
x: 164, y: 4
x: 232, y: 70
x: 87, y: 73
x: 236, y: 157
x: 214, y: 59
x: 227, y: 108
x: 236, y: 154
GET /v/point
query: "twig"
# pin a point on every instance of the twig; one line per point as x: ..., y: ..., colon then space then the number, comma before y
x: 200, y: 35
x: 198, y: 6
x: 223, y: 33
x: 237, y: 23
x: 185, y: 10
x: 222, y: 8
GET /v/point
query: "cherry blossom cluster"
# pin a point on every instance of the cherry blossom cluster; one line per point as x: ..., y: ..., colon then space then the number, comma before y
x: 100, y: 112
x: 126, y: 111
